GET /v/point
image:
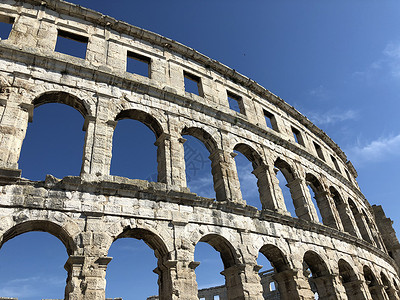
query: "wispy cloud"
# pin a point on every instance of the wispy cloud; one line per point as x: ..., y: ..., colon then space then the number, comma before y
x: 320, y: 93
x: 387, y: 63
x: 332, y: 117
x: 381, y: 149
x: 28, y: 286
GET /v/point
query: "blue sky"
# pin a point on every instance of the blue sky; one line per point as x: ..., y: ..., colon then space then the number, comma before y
x: 337, y: 62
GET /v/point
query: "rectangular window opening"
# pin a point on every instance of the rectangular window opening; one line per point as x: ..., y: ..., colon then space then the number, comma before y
x: 319, y: 151
x: 335, y: 163
x: 348, y: 175
x: 216, y: 297
x: 235, y: 102
x: 138, y: 64
x: 192, y: 84
x: 270, y: 120
x: 297, y: 136
x: 71, y: 44
x: 6, y: 24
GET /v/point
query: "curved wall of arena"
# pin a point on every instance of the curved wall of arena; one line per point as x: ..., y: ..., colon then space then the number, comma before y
x: 347, y: 255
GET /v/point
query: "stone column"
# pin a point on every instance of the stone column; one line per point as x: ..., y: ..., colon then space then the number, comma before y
x: 74, y: 266
x: 302, y: 202
x: 94, y: 282
x: 345, y: 216
x: 327, y: 209
x: 98, y: 146
x: 177, y: 280
x: 171, y: 161
x: 303, y: 289
x: 355, y: 290
x: 377, y: 292
x: 326, y: 287
x: 243, y: 282
x: 226, y: 181
x: 13, y: 125
x: 286, y: 285
x: 266, y: 189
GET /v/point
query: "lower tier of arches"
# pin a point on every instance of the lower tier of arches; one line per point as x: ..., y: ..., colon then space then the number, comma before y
x: 307, y: 259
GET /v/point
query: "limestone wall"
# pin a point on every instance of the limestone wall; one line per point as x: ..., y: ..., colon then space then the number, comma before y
x: 89, y: 212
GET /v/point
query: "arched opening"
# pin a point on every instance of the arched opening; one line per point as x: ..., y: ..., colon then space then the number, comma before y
x: 232, y: 286
x: 372, y: 229
x: 318, y: 198
x: 276, y: 272
x: 349, y: 280
x: 137, y: 253
x: 342, y: 209
x: 252, y: 176
x: 285, y: 187
x: 34, y: 253
x: 54, y: 141
x: 134, y: 154
x: 359, y: 221
x: 202, y: 168
x: 372, y: 283
x: 387, y: 287
x: 317, y: 272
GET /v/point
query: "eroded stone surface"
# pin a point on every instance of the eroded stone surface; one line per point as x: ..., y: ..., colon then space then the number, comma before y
x: 347, y: 255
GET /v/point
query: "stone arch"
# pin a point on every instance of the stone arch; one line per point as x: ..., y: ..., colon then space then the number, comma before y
x: 203, y: 136
x: 323, y: 201
x: 321, y: 280
x: 160, y: 137
x: 372, y: 229
x: 350, y: 281
x: 217, y: 160
x: 387, y: 286
x: 161, y: 252
x: 362, y: 227
x: 135, y: 114
x: 374, y: 287
x: 233, y: 266
x: 63, y: 98
x: 261, y: 171
x: 343, y: 210
x: 284, y: 275
x: 303, y: 208
x: 45, y: 226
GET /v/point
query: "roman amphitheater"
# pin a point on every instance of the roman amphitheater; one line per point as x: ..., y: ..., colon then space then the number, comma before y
x: 352, y: 254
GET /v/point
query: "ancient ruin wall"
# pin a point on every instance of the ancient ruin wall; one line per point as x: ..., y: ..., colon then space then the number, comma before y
x: 346, y: 254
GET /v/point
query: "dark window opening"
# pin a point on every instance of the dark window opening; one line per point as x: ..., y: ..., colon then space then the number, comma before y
x: 319, y: 151
x: 348, y: 175
x: 270, y: 120
x: 297, y: 136
x: 235, y: 102
x: 71, y: 44
x: 6, y: 24
x: 138, y: 64
x: 192, y: 84
x: 335, y: 163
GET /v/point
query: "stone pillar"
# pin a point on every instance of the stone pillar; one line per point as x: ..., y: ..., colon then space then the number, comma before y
x: 226, y: 181
x: 327, y: 209
x: 348, y: 222
x: 13, y: 125
x: 98, y: 146
x: 177, y: 280
x: 302, y: 285
x: 363, y: 227
x: 378, y: 292
x: 325, y: 287
x: 286, y: 285
x: 302, y: 202
x: 355, y: 290
x: 74, y: 267
x: 243, y: 282
x: 266, y: 189
x: 171, y: 161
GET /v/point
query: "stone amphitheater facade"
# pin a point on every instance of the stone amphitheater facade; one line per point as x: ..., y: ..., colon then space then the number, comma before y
x: 354, y: 254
